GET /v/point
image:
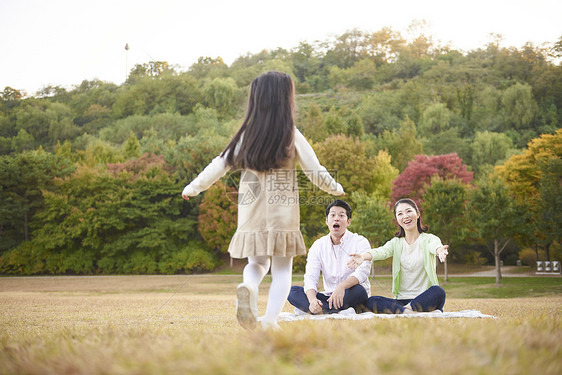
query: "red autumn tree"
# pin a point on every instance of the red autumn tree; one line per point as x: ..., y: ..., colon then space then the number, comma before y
x: 413, y: 181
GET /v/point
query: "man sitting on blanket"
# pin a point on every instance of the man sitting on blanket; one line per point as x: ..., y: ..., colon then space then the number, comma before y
x: 344, y: 287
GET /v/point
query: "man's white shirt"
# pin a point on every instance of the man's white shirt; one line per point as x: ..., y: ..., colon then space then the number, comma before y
x: 331, y: 260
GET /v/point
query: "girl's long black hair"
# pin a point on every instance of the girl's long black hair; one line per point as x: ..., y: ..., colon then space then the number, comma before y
x: 267, y: 134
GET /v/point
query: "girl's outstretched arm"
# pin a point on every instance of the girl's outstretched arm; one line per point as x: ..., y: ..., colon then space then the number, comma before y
x: 214, y: 171
x: 312, y: 168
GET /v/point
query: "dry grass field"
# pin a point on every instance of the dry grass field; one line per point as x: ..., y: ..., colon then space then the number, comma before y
x: 187, y: 324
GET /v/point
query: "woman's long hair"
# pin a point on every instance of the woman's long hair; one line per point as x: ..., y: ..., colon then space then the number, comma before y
x: 421, y: 228
x: 267, y: 134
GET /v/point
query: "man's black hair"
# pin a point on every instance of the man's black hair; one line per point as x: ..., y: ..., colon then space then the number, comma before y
x: 342, y: 204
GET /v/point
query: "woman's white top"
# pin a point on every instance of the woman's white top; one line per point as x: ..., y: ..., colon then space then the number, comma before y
x: 414, y: 278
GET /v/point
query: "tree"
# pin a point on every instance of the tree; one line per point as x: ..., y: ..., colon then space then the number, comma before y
x: 354, y: 125
x: 346, y: 49
x: 99, y: 153
x: 435, y: 119
x: 151, y: 69
x: 347, y: 158
x: 206, y: 66
x: 305, y: 61
x: 360, y: 76
x: 550, y: 191
x: 126, y: 218
x: 32, y: 117
x: 381, y: 111
x: 10, y: 98
x: 416, y: 178
x: 22, y: 142
x: 490, y: 148
x: 524, y: 174
x: 131, y: 147
x: 23, y: 177
x: 334, y: 122
x: 10, y: 94
x: 221, y: 93
x: 486, y: 115
x: 190, y: 155
x: 402, y: 145
x: 152, y: 95
x: 383, y: 45
x: 444, y: 211
x: 384, y: 174
x: 495, y: 217
x: 446, y: 142
x: 313, y: 124
x: 519, y: 108
x: 60, y: 123
x: 218, y: 216
x: 372, y: 218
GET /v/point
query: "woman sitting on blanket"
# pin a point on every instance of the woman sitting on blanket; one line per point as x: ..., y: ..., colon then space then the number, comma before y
x: 414, y: 278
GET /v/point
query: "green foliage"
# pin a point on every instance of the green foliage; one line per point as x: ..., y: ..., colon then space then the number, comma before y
x: 208, y: 67
x: 533, y: 177
x: 121, y: 220
x: 372, y: 218
x: 60, y: 120
x: 495, y: 217
x: 313, y: 124
x: 131, y: 148
x: 493, y: 212
x: 22, y: 180
x: 22, y: 142
x: 218, y: 216
x: 221, y: 94
x: 191, y: 154
x: 335, y: 123
x: 444, y: 210
x: 402, y: 145
x: 159, y: 94
x: 549, y: 208
x: 519, y: 106
x: 490, y: 149
x: 435, y: 119
x: 347, y: 157
x: 99, y: 152
x: 381, y: 111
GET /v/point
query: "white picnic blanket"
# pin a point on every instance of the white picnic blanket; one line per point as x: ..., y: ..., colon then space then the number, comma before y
x: 290, y: 317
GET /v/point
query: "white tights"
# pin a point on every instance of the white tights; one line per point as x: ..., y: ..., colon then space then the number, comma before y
x: 281, y: 277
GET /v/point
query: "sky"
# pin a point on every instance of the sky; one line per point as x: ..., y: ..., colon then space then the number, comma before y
x: 63, y: 42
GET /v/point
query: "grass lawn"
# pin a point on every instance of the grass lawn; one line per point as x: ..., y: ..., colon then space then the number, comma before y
x: 187, y: 324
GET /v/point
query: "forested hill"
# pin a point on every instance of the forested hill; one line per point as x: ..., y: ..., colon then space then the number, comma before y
x: 91, y: 177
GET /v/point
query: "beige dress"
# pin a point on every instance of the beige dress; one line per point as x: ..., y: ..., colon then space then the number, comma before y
x: 268, y: 203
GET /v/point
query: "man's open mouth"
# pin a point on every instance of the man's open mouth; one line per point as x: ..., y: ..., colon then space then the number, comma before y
x: 336, y: 225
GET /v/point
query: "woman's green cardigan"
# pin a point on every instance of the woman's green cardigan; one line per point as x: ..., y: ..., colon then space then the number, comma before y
x: 393, y: 248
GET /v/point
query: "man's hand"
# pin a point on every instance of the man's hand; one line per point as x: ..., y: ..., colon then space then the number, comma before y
x: 315, y: 306
x: 336, y: 299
